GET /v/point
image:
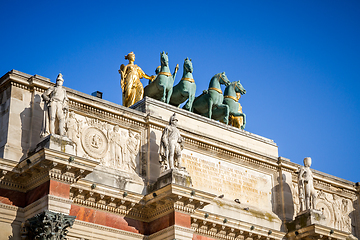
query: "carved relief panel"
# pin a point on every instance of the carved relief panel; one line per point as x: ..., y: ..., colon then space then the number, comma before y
x: 338, y: 210
x: 115, y: 147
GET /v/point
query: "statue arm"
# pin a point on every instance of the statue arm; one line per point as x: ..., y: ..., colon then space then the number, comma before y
x: 46, y: 94
x: 66, y: 101
x: 142, y: 74
x: 122, y: 72
x: 164, y: 142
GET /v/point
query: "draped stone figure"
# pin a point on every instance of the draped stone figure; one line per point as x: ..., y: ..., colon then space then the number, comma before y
x: 171, y: 146
x: 132, y: 149
x: 307, y: 193
x: 56, y: 107
x: 132, y: 88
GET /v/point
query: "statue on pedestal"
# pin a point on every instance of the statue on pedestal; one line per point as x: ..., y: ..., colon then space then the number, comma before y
x: 307, y: 193
x: 56, y: 107
x: 132, y: 88
x: 171, y: 146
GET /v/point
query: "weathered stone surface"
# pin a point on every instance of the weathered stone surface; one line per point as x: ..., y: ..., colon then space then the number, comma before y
x: 56, y: 142
x: 305, y: 219
x: 177, y: 176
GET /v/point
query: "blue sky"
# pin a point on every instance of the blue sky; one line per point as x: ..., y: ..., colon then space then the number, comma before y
x: 298, y: 60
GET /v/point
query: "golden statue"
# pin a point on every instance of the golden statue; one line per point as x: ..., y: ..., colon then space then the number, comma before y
x: 131, y: 86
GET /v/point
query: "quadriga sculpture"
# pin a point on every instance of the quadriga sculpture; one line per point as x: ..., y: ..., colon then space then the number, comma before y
x: 232, y: 95
x: 161, y: 88
x: 212, y: 98
x: 185, y: 89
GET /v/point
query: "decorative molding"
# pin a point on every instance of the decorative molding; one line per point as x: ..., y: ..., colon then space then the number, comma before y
x: 106, y: 229
x: 231, y: 229
x: 145, y: 208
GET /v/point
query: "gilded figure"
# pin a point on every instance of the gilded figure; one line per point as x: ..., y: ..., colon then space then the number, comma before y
x: 132, y: 88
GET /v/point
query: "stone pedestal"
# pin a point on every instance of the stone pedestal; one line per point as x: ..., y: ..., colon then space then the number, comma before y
x: 305, y: 219
x: 177, y: 176
x: 128, y: 181
x: 57, y: 142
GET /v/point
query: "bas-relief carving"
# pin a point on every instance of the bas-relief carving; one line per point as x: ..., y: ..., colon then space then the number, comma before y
x: 73, y: 130
x: 115, y: 147
x: 94, y: 142
x: 337, y: 210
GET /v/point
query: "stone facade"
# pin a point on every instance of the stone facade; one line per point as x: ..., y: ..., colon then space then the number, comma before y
x: 106, y: 172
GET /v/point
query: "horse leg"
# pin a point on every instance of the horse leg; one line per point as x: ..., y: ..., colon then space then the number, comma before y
x: 227, y: 112
x: 244, y: 122
x: 189, y: 103
x: 163, y: 90
x: 168, y: 97
x: 209, y: 113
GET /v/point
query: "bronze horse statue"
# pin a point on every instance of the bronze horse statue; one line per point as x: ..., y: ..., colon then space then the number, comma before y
x: 162, y: 87
x: 212, y: 98
x: 185, y: 89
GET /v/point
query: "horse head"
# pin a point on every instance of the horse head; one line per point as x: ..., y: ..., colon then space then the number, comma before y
x: 239, y: 88
x: 223, y: 79
x: 188, y: 67
x: 164, y: 59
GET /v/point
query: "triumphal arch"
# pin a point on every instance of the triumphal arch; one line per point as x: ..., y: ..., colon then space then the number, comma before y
x: 74, y: 166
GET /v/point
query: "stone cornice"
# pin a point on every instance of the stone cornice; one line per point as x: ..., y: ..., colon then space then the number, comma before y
x: 316, y: 231
x: 42, y: 166
x: 170, y: 229
x: 79, y: 224
x: 145, y: 208
x: 218, y: 227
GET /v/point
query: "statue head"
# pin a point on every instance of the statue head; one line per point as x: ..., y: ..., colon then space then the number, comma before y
x: 307, y: 162
x: 116, y: 128
x: 130, y: 57
x: 173, y: 120
x: 59, y: 80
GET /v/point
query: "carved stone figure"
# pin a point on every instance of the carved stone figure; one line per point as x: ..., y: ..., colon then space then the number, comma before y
x: 307, y: 193
x: 56, y: 107
x: 73, y: 128
x: 118, y: 149
x: 131, y: 86
x: 185, y: 89
x: 161, y: 88
x: 47, y: 225
x: 171, y: 146
x: 132, y: 149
